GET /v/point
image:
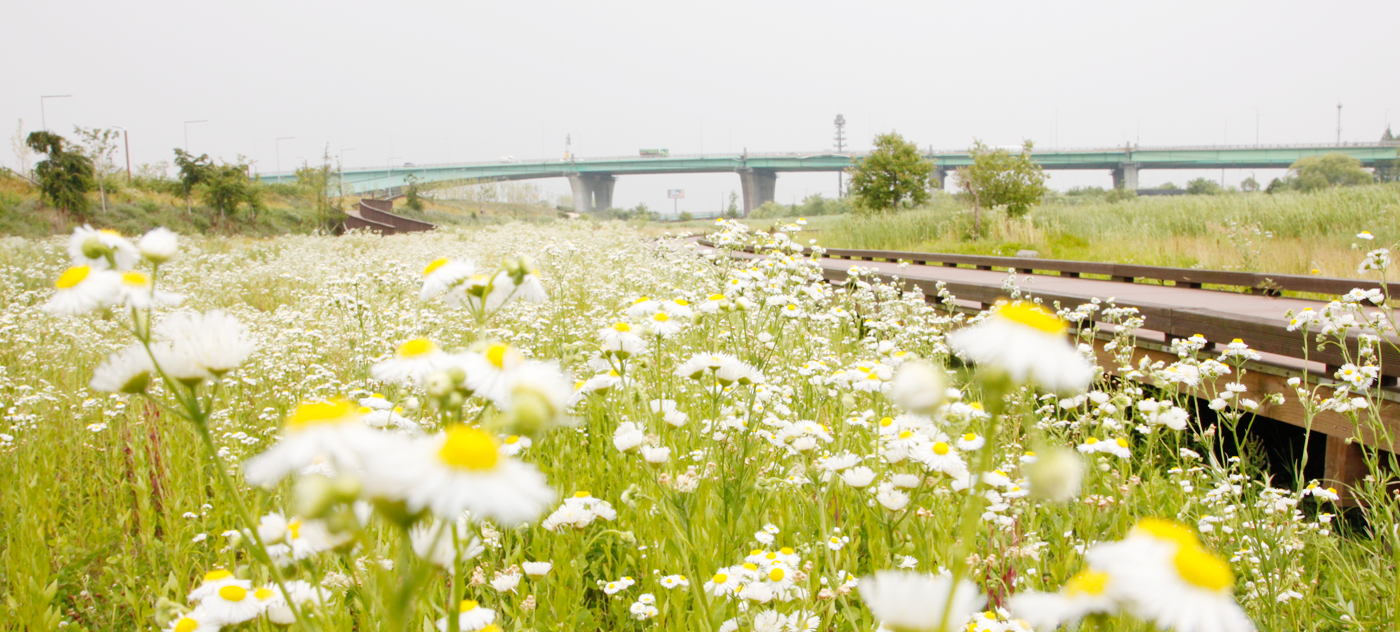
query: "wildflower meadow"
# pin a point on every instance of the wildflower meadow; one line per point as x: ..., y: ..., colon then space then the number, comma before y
x: 573, y: 427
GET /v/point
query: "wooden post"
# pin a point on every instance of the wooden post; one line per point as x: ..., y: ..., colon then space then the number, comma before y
x: 1345, y: 464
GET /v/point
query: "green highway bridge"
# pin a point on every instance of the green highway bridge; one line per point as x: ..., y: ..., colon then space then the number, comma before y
x: 592, y: 179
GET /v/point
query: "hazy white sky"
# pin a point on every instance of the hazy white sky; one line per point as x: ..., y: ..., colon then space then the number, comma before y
x: 425, y: 82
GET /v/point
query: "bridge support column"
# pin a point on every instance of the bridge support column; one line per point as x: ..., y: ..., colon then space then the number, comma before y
x: 758, y: 185
x: 592, y: 191
x: 940, y: 178
x: 1126, y: 176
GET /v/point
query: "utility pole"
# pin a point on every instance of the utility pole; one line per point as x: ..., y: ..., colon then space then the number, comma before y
x: 43, y: 114
x: 126, y: 140
x: 278, y: 144
x: 840, y: 147
x: 1339, y: 123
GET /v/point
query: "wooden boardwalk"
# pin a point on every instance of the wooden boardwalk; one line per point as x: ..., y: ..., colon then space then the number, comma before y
x: 1254, y: 313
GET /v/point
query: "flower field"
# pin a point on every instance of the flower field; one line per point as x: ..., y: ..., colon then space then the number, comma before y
x: 568, y: 427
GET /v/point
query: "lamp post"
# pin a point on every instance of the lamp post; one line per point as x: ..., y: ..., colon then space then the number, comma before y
x: 187, y: 133
x: 340, y: 166
x: 279, y: 156
x: 43, y: 115
x: 126, y: 140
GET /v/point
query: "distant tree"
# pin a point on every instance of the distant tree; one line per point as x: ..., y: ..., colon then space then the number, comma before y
x: 193, y: 171
x: 1249, y: 184
x: 733, y: 205
x: 1387, y: 136
x: 685, y: 216
x: 997, y: 178
x: 1311, y: 173
x: 21, y: 149
x: 65, y: 176
x: 413, y: 197
x: 99, y: 145
x: 1167, y: 186
x: 1204, y: 186
x: 890, y: 175
x: 226, y: 187
x: 318, y: 183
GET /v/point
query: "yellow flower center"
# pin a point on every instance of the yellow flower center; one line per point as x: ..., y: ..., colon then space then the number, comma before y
x: 906, y: 434
x: 716, y: 297
x: 975, y: 405
x: 1122, y: 443
x: 490, y: 627
x: 186, y: 624
x: 775, y: 575
x: 787, y: 550
x: 581, y: 494
x: 467, y: 605
x: 496, y: 354
x: 135, y: 279
x: 1032, y: 315
x: 213, y: 576
x: 940, y: 448
x: 682, y: 302
x: 1198, y: 567
x: 513, y: 439
x: 771, y: 555
x: 317, y: 413
x: 233, y: 593
x: 622, y: 327
x: 720, y: 578
x: 755, y: 552
x: 72, y: 277
x: 294, y: 528
x: 641, y: 300
x: 971, y: 436
x: 1237, y: 341
x: 1029, y: 453
x: 263, y: 594
x: 437, y: 263
x: 1167, y: 530
x: 661, y: 317
x: 750, y: 566
x: 110, y: 231
x: 1087, y: 582
x: 885, y: 422
x: 417, y: 347
x: 1091, y: 441
x: 469, y: 448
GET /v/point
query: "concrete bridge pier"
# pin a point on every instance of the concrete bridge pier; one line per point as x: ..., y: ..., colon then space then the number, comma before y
x: 940, y: 178
x: 1125, y: 176
x: 592, y: 191
x: 758, y: 185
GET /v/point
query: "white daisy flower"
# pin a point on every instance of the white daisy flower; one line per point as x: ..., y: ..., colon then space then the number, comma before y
x: 971, y: 441
x: 1028, y: 343
x: 726, y: 581
x: 213, y: 341
x: 413, y: 361
x: 537, y: 569
x: 918, y: 387
x: 317, y: 432
x: 433, y: 540
x: 460, y: 470
x: 859, y: 476
x: 1087, y: 592
x: 489, y: 372
x: 301, y: 592
x: 82, y: 289
x: 662, y: 324
x: 213, y: 581
x: 104, y: 249
x: 911, y: 602
x: 620, y: 341
x: 231, y: 604
x: 197, y: 620
x: 442, y: 275
x: 471, y: 617
x: 135, y: 290
x: 127, y: 371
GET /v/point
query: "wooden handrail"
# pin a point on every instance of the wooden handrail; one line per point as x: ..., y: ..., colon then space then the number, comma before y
x: 1266, y: 283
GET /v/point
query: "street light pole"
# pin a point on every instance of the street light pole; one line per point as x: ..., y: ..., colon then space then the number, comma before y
x: 279, y: 156
x: 43, y: 115
x: 126, y: 140
x: 340, y: 166
x: 187, y: 133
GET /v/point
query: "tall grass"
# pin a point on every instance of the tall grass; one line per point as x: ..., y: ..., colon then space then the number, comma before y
x: 1285, y: 232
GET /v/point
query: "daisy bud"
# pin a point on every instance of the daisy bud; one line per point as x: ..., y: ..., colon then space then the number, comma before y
x: 531, y: 412
x: 457, y: 375
x: 918, y: 387
x: 312, y: 496
x: 93, y: 248
x: 848, y: 401
x: 159, y: 245
x: 439, y: 383
x: 1056, y: 474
